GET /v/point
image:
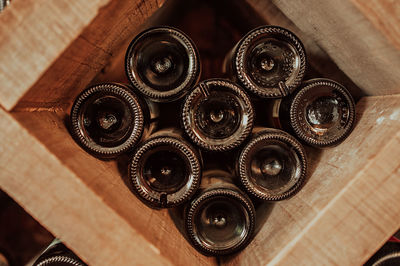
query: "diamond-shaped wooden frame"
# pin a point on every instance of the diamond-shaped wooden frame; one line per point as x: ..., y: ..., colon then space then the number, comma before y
x: 50, y: 50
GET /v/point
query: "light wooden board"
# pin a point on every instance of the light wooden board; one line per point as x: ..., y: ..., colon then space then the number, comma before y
x: 317, y: 58
x: 32, y: 35
x: 91, y: 53
x: 57, y: 198
x: 50, y: 50
x: 348, y: 207
x: 108, y: 179
x: 360, y: 49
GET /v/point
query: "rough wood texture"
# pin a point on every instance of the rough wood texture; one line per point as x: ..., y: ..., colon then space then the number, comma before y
x: 348, y: 207
x: 350, y: 197
x: 321, y: 63
x: 66, y: 205
x: 46, y: 59
x: 23, y: 238
x: 222, y: 25
x: 384, y: 15
x: 361, y: 51
x: 109, y: 181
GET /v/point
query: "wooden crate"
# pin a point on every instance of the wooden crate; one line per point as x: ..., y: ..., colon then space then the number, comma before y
x: 51, y: 50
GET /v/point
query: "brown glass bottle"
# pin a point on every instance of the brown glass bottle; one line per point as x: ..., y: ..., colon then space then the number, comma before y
x: 217, y: 115
x: 165, y: 169
x: 269, y: 61
x: 57, y: 254
x: 321, y: 113
x: 108, y: 119
x: 221, y: 219
x: 162, y: 63
x: 272, y: 165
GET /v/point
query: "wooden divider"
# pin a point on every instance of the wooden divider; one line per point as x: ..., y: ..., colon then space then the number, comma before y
x: 317, y: 58
x: 68, y: 207
x: 33, y: 34
x: 52, y: 49
x: 109, y: 181
x: 348, y: 207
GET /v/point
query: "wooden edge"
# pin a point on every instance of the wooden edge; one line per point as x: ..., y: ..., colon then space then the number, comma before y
x: 338, y: 201
x: 364, y: 214
x: 110, y: 181
x: 65, y: 205
x: 358, y: 48
x: 31, y: 41
x: 91, y: 53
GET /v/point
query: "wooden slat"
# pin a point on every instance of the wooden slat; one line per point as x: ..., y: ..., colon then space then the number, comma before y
x: 348, y: 207
x: 384, y: 15
x: 55, y: 196
x: 33, y: 33
x: 349, y: 37
x: 62, y: 45
x: 108, y: 179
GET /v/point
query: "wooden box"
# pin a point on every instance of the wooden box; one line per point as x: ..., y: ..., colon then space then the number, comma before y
x: 51, y: 50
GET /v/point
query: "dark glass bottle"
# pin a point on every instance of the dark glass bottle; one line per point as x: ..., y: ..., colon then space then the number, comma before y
x: 221, y: 219
x: 217, y: 115
x: 387, y: 255
x: 163, y: 63
x: 57, y: 254
x: 272, y: 165
x: 165, y: 169
x: 109, y: 119
x: 321, y: 113
x: 269, y: 61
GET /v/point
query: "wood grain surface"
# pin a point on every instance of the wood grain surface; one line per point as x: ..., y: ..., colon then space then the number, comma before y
x: 384, y: 15
x: 320, y: 64
x: 109, y: 181
x: 347, y: 35
x: 69, y: 208
x: 349, y: 205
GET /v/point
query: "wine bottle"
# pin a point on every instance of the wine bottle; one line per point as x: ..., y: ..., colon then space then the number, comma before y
x: 108, y: 119
x: 165, y: 169
x: 321, y: 113
x: 217, y: 115
x: 387, y: 255
x: 269, y: 61
x: 221, y: 219
x: 272, y: 166
x: 57, y: 254
x: 162, y: 63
